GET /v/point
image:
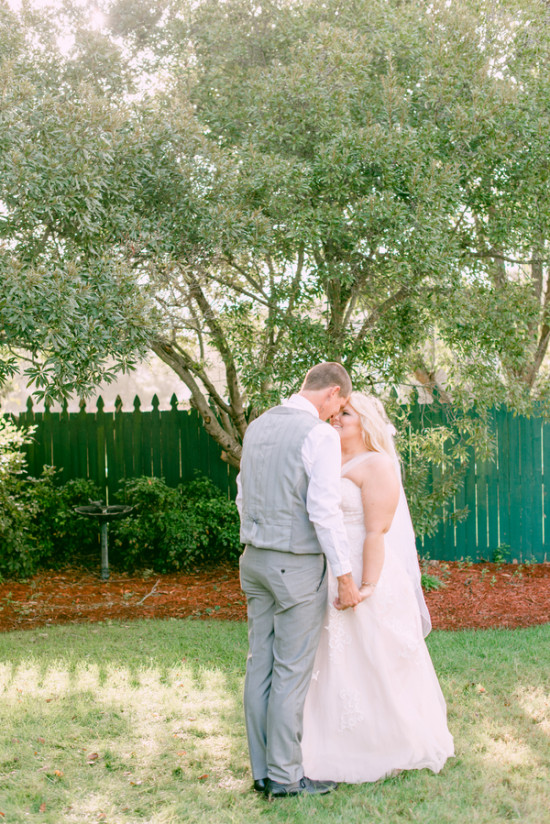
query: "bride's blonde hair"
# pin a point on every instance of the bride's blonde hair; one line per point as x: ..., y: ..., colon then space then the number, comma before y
x: 375, y: 424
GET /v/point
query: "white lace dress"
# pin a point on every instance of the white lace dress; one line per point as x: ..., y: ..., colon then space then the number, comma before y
x: 374, y: 705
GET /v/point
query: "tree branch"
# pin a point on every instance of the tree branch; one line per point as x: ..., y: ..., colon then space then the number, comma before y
x: 492, y: 253
x: 240, y: 289
x: 542, y: 347
x: 231, y: 447
x: 377, y: 313
x: 274, y: 340
x: 246, y: 275
x: 236, y: 404
x: 197, y: 370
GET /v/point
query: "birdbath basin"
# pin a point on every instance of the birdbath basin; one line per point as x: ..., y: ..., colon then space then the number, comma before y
x: 103, y: 514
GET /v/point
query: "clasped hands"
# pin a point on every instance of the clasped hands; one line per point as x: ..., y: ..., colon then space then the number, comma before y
x: 349, y: 594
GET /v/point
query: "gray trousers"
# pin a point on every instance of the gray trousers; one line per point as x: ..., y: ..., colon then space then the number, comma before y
x: 286, y: 599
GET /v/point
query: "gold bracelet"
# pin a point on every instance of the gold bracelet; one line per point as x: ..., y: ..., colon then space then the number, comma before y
x: 367, y: 584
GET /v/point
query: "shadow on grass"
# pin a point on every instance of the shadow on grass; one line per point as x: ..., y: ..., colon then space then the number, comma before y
x: 144, y: 723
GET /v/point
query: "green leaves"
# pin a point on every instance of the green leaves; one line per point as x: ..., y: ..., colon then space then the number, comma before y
x: 248, y: 189
x: 78, y: 325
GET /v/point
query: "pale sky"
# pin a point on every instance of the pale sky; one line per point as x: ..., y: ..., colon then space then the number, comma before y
x: 97, y: 17
x: 41, y: 4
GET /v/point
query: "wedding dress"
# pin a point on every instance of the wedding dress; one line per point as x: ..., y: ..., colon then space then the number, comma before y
x: 374, y: 705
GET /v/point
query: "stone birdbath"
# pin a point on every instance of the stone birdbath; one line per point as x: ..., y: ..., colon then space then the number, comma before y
x: 104, y: 514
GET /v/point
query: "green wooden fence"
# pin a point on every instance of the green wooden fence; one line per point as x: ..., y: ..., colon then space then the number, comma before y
x: 508, y: 499
x: 109, y: 446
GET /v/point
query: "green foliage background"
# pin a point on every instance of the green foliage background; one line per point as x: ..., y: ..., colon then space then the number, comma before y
x: 247, y: 189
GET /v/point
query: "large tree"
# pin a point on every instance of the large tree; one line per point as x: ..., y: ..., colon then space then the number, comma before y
x: 249, y: 188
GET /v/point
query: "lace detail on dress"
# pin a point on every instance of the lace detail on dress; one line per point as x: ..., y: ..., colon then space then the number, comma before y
x: 350, y: 715
x: 339, y: 637
x: 398, y: 614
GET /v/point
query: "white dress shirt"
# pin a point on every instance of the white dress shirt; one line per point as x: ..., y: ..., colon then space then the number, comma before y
x: 322, y: 458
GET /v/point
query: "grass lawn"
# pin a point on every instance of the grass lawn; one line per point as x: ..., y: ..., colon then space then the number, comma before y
x: 142, y: 722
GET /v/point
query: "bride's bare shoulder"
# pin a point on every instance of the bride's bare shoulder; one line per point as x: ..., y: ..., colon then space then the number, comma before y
x: 379, y: 479
x: 375, y: 465
x: 377, y: 462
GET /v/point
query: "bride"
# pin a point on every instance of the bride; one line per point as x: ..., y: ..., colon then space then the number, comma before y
x: 374, y: 705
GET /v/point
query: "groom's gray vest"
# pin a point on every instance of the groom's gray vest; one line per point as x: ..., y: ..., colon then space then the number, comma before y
x: 274, y: 482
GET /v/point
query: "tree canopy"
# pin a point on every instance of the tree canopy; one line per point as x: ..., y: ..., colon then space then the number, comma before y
x: 258, y: 186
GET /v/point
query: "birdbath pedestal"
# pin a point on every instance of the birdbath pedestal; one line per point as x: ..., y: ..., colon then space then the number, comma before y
x: 104, y: 514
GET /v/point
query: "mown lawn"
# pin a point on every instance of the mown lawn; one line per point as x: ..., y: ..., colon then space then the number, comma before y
x: 142, y: 722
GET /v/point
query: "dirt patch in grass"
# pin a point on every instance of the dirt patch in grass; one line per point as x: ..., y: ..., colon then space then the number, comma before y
x: 474, y: 596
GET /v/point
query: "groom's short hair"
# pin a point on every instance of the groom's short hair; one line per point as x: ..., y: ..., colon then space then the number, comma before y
x: 328, y: 374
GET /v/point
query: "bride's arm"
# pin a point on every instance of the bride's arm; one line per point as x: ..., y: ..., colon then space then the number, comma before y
x: 380, y: 495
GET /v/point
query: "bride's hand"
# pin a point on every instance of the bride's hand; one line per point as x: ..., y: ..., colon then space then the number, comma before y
x: 366, y: 589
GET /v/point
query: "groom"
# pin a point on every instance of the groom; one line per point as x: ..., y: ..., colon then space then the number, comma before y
x: 291, y: 523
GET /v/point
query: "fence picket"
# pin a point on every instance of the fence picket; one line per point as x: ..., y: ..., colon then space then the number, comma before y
x: 516, y: 516
x: 471, y: 501
x: 483, y: 469
x: 503, y: 479
x: 119, y: 441
x: 110, y: 456
x: 127, y: 446
x: 92, y: 442
x: 460, y: 525
x: 101, y: 441
x: 27, y: 419
x: 188, y: 425
x: 146, y: 450
x: 546, y: 490
x: 531, y: 528
x: 538, y: 447
x: 56, y: 441
x: 79, y: 445
x: 170, y: 443
x: 47, y: 445
x: 137, y: 452
x: 492, y: 469
x: 156, y: 443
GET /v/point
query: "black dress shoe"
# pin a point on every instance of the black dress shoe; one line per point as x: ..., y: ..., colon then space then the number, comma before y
x: 259, y: 785
x: 305, y: 786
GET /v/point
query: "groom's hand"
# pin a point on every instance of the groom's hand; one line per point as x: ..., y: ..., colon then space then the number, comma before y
x: 348, y: 593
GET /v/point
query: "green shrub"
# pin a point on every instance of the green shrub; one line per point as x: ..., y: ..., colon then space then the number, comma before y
x: 17, y: 550
x: 431, y: 582
x: 18, y: 556
x: 188, y: 528
x: 38, y: 526
x: 501, y: 554
x: 61, y: 536
x: 217, y: 518
x: 153, y: 534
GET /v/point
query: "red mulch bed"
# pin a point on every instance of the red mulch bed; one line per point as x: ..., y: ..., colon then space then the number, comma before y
x: 475, y: 596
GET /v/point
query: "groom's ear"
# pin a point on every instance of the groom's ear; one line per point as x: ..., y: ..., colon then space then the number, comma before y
x: 338, y: 393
